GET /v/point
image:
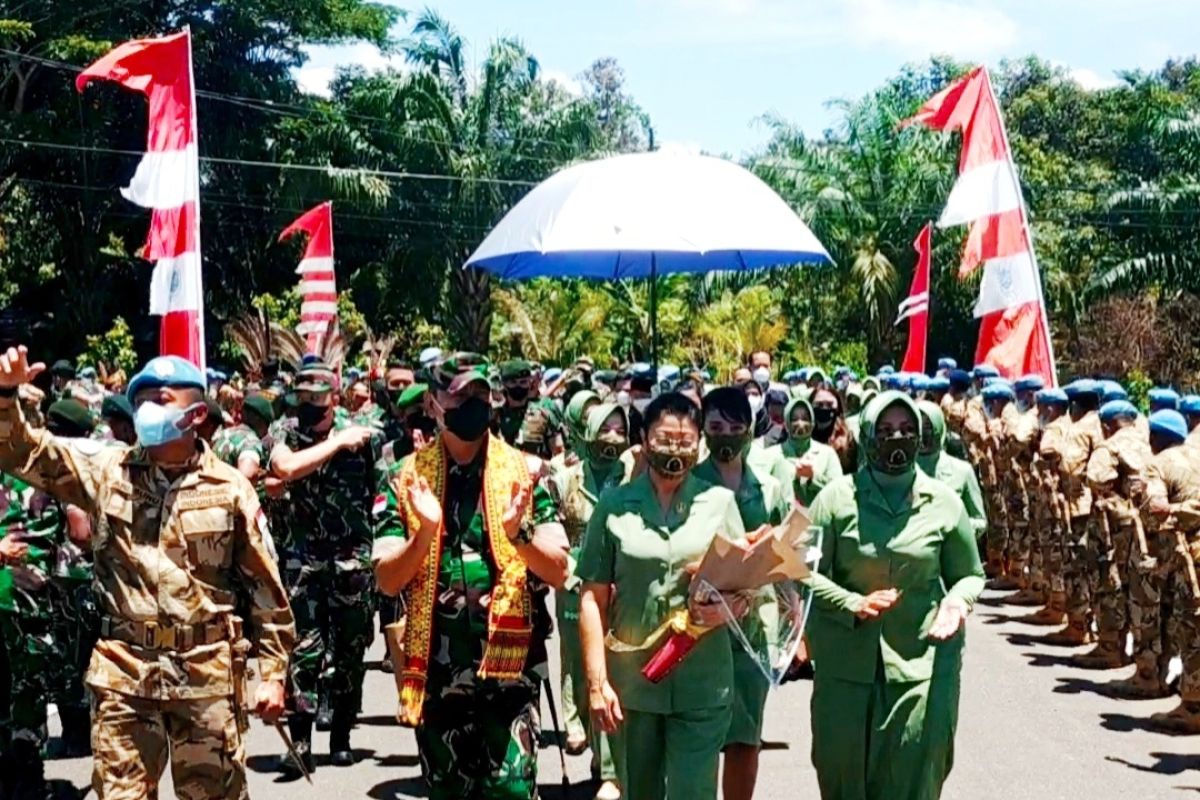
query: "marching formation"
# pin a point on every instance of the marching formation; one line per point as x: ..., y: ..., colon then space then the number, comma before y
x: 169, y: 537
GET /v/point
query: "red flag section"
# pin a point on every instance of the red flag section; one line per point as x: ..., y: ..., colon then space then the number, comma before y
x: 167, y: 181
x: 1014, y: 334
x: 318, y: 286
x: 915, y: 308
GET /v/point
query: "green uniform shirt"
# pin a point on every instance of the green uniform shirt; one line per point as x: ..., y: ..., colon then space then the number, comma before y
x: 827, y: 467
x: 960, y: 477
x: 36, y: 519
x: 467, y: 572
x: 926, y: 549
x: 632, y: 544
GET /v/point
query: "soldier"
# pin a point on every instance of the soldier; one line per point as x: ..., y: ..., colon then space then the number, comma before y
x: 329, y: 465
x: 1163, y: 399
x: 1069, y: 447
x: 935, y: 462
x: 1189, y: 406
x: 469, y: 566
x: 517, y: 378
x: 61, y: 376
x: 997, y: 398
x: 116, y: 421
x: 1114, y: 468
x: 1051, y: 515
x: 242, y: 445
x: 178, y: 536
x: 1020, y: 441
x: 1163, y: 599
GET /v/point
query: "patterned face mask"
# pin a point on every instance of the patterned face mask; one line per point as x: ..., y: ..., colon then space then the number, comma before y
x: 672, y: 458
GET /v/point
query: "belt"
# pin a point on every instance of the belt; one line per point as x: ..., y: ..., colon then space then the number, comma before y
x: 154, y: 636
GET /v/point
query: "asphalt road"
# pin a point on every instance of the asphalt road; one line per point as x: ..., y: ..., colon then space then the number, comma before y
x: 1030, y: 727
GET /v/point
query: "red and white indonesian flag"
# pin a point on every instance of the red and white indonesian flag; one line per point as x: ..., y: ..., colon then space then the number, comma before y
x: 1014, y: 335
x: 167, y: 181
x: 915, y: 307
x: 318, y: 287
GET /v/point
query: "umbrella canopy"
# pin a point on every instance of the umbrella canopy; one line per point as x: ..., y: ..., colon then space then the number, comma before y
x: 643, y: 215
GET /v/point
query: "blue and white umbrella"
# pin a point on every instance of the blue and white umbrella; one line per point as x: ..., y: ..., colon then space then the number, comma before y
x: 644, y: 215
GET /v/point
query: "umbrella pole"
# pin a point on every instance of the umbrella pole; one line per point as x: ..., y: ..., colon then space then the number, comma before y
x: 654, y: 313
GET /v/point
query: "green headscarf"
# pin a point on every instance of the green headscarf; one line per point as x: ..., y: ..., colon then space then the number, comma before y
x: 577, y: 424
x: 856, y: 392
x: 793, y: 447
x: 894, y: 487
x: 937, y: 421
x: 595, y: 421
x: 870, y: 383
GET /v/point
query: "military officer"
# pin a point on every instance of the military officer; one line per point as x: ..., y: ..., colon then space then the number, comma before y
x: 178, y: 536
x: 518, y: 381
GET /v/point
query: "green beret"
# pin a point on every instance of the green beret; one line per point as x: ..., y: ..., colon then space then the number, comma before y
x: 515, y: 370
x: 118, y: 406
x: 63, y: 368
x: 411, y: 396
x: 259, y: 406
x: 71, y: 417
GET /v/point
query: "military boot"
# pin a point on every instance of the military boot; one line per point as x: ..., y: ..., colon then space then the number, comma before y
x: 1183, y: 719
x: 344, y: 716
x: 300, y: 727
x: 1076, y: 634
x: 324, y: 712
x: 1108, y: 654
x: 1008, y: 579
x: 1055, y: 612
x: 1026, y: 597
x: 994, y: 566
x: 76, y: 732
x: 1145, y: 684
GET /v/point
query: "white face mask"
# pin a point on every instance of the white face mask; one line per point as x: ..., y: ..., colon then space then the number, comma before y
x: 756, y: 404
x: 623, y: 399
x: 640, y: 404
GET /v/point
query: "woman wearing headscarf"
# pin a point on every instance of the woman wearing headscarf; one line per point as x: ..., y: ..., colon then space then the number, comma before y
x: 900, y: 572
x: 761, y: 500
x: 829, y: 427
x: 579, y: 486
x: 575, y: 426
x: 641, y: 541
x: 954, y: 472
x: 815, y: 465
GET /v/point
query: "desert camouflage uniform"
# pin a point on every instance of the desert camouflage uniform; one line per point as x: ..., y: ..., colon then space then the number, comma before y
x: 1020, y: 435
x: 171, y: 556
x: 325, y: 558
x: 1163, y: 612
x: 994, y: 479
x: 478, y: 738
x: 1051, y: 511
x: 1115, y: 467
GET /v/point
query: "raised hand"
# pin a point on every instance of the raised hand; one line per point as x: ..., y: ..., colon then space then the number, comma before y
x: 950, y: 616
x: 426, y: 504
x: 876, y: 603
x: 355, y: 436
x: 12, y: 550
x: 517, y: 507
x: 15, y: 368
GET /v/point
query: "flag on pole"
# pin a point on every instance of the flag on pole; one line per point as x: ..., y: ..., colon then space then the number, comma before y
x: 1014, y: 334
x: 915, y: 307
x: 318, y: 287
x: 167, y: 181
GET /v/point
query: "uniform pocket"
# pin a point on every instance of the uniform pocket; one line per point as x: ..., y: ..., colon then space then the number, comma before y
x: 208, y: 533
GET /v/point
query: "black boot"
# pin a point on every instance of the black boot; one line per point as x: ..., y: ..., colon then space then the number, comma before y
x: 344, y: 717
x: 76, y: 732
x: 29, y: 779
x: 300, y: 727
x: 324, y: 713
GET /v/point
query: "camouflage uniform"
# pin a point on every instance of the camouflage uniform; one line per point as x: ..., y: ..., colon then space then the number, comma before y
x: 1019, y: 437
x: 510, y: 419
x: 1051, y: 518
x: 995, y: 480
x: 1114, y: 467
x: 477, y: 738
x: 171, y: 555
x: 1072, y: 444
x: 231, y: 443
x: 325, y: 558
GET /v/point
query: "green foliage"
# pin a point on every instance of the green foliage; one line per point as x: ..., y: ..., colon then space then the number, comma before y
x: 1139, y: 384
x: 114, y: 348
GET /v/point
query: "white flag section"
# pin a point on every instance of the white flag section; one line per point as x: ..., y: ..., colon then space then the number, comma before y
x: 979, y: 192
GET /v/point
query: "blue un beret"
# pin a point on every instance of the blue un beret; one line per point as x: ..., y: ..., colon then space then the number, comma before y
x: 1030, y: 383
x: 1190, y: 404
x: 1117, y: 408
x: 1052, y: 397
x: 1169, y: 423
x: 999, y: 390
x: 1082, y: 386
x: 1164, y: 397
x: 166, y: 371
x: 960, y: 378
x: 947, y: 363
x: 986, y: 371
x: 939, y: 384
x: 1111, y: 390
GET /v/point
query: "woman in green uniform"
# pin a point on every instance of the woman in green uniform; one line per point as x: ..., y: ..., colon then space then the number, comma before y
x: 954, y: 472
x: 640, y: 543
x: 728, y: 428
x: 815, y: 465
x: 579, y: 486
x: 900, y: 572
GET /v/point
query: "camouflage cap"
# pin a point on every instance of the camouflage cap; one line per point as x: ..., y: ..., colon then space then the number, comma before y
x: 515, y: 369
x: 316, y: 376
x: 458, y: 371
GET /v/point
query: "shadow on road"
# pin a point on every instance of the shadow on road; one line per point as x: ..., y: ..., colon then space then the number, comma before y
x: 1081, y: 685
x: 1123, y: 723
x: 399, y: 789
x: 1164, y: 764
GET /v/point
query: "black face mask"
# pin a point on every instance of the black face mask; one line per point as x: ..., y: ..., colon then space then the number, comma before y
x: 518, y: 394
x: 895, y: 455
x: 824, y: 417
x: 310, y: 415
x: 424, y: 424
x: 470, y: 420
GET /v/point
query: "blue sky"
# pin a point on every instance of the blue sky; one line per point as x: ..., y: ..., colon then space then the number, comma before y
x: 705, y: 69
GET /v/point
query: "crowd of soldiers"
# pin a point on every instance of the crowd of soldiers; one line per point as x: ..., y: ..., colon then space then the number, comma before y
x: 1086, y: 508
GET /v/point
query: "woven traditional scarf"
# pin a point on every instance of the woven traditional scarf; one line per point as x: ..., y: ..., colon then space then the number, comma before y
x: 510, y: 613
